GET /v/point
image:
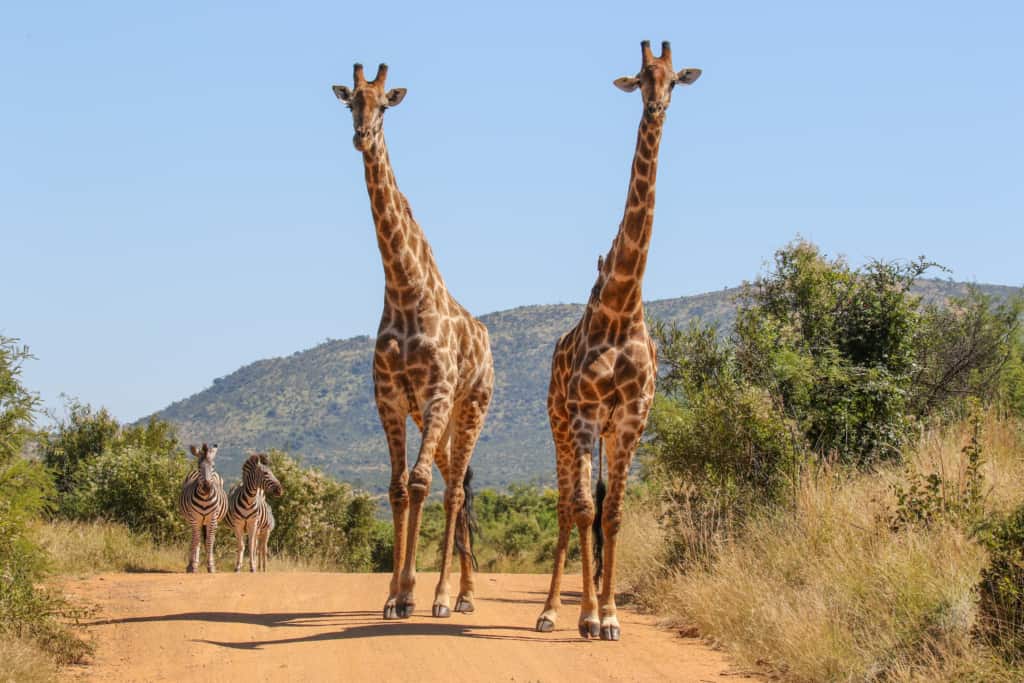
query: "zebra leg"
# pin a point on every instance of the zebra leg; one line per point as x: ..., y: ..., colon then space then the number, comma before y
x: 193, y: 551
x: 263, y: 550
x: 253, y: 539
x: 211, y: 537
x: 240, y: 538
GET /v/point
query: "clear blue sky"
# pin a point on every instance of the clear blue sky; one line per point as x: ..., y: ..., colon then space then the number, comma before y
x: 179, y: 195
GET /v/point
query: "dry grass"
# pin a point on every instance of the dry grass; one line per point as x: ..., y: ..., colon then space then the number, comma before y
x: 23, y: 662
x: 84, y: 548
x: 824, y: 590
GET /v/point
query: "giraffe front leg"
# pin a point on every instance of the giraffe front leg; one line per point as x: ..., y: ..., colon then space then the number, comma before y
x: 435, y: 424
x: 620, y: 454
x: 583, y: 511
x: 193, y: 551
x: 393, y: 421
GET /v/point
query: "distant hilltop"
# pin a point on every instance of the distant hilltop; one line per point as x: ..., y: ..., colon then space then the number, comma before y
x: 318, y: 403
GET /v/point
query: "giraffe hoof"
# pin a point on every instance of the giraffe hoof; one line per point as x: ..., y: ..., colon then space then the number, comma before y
x: 590, y: 629
x: 389, y: 611
x: 465, y: 606
x: 190, y: 569
x: 211, y: 570
x: 545, y: 625
x: 405, y: 610
x: 441, y: 611
x: 610, y: 633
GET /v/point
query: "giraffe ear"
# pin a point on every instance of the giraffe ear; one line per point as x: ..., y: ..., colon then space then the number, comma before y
x: 688, y: 76
x: 395, y: 96
x: 627, y: 83
x: 342, y: 93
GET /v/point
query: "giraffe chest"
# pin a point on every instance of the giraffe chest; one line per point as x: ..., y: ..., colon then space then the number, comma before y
x: 613, y: 374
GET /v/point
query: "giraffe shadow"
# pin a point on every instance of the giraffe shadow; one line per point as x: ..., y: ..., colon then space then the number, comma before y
x: 383, y: 630
x: 271, y: 620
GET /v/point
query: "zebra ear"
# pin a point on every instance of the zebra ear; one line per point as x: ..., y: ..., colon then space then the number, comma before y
x: 264, y: 458
x: 195, y: 451
x: 212, y: 453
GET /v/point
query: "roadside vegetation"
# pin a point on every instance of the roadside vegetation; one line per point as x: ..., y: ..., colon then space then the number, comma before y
x: 837, y: 482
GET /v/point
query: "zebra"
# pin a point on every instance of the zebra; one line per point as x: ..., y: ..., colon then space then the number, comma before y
x: 203, y: 504
x: 248, y: 510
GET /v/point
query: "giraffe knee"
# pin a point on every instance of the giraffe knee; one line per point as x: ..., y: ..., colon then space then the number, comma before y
x: 398, y: 493
x: 419, y: 482
x: 610, y: 523
x: 454, y: 497
x: 583, y: 510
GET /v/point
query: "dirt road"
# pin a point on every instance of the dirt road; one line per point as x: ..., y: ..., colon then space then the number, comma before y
x: 319, y: 627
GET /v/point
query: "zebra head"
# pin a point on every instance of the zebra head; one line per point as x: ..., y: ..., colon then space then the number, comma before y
x: 205, y: 457
x: 256, y: 473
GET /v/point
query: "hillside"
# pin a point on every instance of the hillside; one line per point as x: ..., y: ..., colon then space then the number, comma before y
x: 318, y: 403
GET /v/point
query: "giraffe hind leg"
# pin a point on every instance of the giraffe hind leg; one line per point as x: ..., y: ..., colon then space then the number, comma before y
x: 469, y: 421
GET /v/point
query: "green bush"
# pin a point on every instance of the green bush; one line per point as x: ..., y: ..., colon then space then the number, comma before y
x: 320, y: 519
x: 133, y: 485
x: 712, y: 427
x: 969, y: 347
x: 28, y: 611
x: 1001, y: 591
x: 835, y: 346
x: 517, y: 530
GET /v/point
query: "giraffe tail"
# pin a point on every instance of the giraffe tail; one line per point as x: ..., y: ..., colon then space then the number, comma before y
x: 598, y: 529
x: 466, y: 521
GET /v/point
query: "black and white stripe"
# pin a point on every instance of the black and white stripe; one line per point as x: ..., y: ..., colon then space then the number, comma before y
x: 249, y: 513
x: 203, y: 504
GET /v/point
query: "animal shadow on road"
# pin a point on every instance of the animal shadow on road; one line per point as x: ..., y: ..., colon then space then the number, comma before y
x: 354, y: 625
x: 412, y: 628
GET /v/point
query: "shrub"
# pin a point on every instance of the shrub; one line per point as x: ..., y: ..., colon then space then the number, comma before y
x: 1001, y: 589
x: 322, y: 520
x: 133, y: 485
x: 28, y: 611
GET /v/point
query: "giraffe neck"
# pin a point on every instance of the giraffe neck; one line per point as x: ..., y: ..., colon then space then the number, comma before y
x: 619, y: 282
x: 409, y: 266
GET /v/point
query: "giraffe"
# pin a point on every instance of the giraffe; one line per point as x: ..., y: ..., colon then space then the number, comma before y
x: 432, y: 361
x: 603, y: 370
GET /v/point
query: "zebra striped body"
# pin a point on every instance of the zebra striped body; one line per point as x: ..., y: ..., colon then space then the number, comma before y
x: 250, y: 514
x: 203, y: 504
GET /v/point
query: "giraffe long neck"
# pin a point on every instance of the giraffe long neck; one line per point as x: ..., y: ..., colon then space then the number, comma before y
x: 620, y: 280
x: 408, y: 261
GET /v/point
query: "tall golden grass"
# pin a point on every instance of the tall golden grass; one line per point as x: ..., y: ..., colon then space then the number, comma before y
x: 823, y: 588
x: 85, y: 548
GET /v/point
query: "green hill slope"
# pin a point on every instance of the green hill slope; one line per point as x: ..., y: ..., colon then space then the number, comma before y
x: 318, y: 403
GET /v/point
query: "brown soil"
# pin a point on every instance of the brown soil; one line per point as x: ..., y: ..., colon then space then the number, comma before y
x: 312, y: 627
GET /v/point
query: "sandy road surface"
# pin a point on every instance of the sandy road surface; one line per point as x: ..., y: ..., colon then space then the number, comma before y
x: 313, y: 627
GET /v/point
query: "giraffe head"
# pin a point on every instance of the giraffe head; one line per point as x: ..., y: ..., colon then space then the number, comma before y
x: 656, y: 80
x: 367, y: 100
x: 204, y: 461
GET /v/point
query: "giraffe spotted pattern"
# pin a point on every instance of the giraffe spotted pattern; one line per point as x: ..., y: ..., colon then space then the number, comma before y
x: 603, y: 370
x: 432, y: 361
